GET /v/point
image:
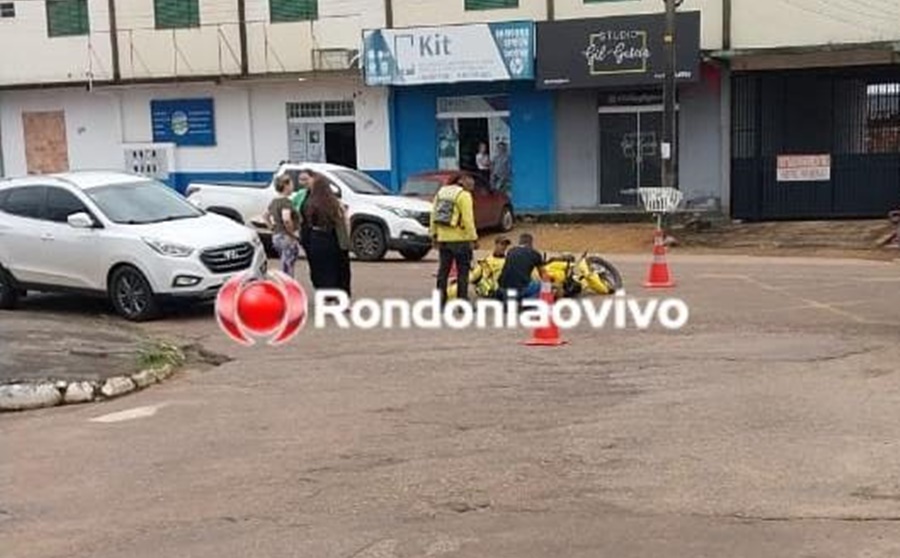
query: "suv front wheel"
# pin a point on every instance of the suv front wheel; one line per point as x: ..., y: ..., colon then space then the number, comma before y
x: 131, y: 295
x: 9, y: 294
x: 369, y: 242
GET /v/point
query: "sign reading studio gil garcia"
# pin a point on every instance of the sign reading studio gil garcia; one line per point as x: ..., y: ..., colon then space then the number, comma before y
x: 615, y: 51
x: 449, y: 54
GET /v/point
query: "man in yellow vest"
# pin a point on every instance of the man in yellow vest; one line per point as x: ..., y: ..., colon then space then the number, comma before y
x: 454, y: 233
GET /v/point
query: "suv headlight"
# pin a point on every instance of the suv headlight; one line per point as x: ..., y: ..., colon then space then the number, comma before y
x: 169, y: 248
x: 400, y: 212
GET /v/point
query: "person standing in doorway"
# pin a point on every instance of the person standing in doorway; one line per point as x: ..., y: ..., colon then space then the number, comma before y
x: 453, y: 230
x: 329, y: 238
x: 483, y: 160
x: 501, y: 169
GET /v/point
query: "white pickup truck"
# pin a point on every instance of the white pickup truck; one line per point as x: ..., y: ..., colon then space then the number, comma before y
x: 380, y: 221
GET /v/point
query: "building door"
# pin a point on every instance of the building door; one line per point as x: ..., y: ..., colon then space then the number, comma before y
x: 630, y: 154
x: 46, y: 146
x: 472, y: 133
x: 322, y: 132
x: 340, y: 143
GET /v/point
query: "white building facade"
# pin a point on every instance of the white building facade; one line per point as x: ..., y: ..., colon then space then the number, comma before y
x: 189, y: 89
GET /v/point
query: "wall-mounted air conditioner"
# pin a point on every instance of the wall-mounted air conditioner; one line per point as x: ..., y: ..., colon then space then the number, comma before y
x: 153, y: 160
x: 335, y: 59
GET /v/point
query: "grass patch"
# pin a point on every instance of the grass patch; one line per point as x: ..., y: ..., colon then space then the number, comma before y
x: 159, y: 355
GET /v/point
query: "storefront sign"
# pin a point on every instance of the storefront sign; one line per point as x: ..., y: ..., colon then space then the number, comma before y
x: 804, y: 168
x: 615, y: 51
x: 184, y: 122
x: 456, y: 53
x: 631, y: 99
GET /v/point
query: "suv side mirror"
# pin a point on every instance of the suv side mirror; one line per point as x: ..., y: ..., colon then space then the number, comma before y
x: 80, y: 220
x: 336, y: 190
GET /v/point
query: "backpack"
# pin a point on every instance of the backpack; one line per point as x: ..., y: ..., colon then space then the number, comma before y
x: 445, y: 206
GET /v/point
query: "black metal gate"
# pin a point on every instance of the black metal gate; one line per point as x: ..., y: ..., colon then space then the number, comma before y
x: 852, y: 116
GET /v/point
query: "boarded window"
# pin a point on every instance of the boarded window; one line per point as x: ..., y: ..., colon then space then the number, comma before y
x: 67, y: 17
x: 175, y: 14
x: 293, y: 10
x: 491, y: 4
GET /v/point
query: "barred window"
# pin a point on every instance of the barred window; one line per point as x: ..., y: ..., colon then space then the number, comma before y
x: 327, y: 109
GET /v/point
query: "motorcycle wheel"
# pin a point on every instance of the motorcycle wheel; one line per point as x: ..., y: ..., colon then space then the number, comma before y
x: 607, y: 272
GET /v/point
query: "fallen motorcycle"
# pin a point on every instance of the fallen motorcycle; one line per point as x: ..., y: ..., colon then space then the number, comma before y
x: 569, y: 277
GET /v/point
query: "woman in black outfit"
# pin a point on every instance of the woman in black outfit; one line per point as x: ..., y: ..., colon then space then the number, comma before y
x: 328, y: 244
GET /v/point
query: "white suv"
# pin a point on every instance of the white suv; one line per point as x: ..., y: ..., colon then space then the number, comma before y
x: 122, y: 236
x: 380, y: 220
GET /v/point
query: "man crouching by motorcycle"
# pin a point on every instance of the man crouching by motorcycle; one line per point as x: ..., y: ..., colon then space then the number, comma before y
x: 519, y: 269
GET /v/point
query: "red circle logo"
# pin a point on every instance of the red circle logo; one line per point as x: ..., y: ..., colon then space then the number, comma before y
x: 261, y: 307
x: 274, y: 306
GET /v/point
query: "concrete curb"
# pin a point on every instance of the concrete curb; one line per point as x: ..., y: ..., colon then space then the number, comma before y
x: 39, y: 395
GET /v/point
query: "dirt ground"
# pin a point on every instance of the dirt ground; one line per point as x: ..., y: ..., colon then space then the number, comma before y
x: 853, y: 239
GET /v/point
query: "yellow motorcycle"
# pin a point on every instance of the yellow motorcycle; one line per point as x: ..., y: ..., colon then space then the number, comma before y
x: 569, y: 276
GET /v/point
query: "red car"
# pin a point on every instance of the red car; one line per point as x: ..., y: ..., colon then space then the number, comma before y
x: 493, y: 209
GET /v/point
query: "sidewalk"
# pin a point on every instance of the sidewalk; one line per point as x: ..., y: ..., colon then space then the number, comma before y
x: 47, y: 361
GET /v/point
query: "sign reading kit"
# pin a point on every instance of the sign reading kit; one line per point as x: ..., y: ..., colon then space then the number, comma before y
x: 615, y: 51
x: 451, y: 54
x: 184, y: 122
x: 804, y: 168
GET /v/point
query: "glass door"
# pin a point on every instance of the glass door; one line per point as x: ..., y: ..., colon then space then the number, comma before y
x: 649, y: 159
x: 630, y: 154
x: 618, y: 157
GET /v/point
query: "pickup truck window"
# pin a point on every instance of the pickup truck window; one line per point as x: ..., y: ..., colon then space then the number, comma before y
x: 361, y: 183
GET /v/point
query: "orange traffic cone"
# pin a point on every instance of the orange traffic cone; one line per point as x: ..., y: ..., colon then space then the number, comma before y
x: 547, y: 336
x: 659, y: 276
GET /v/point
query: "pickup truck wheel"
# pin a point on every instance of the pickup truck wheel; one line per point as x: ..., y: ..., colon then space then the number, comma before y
x: 415, y: 254
x: 369, y: 242
x: 9, y: 293
x: 131, y: 295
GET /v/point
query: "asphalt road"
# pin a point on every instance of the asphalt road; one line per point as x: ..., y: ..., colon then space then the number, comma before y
x: 768, y: 427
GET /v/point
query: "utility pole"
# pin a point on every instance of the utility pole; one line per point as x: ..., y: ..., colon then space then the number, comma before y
x: 242, y: 36
x: 670, y: 118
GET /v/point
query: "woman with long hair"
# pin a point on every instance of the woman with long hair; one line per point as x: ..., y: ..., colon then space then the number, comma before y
x: 329, y: 237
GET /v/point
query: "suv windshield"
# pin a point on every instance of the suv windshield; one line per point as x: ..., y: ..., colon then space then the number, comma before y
x: 361, y: 183
x: 420, y: 187
x: 139, y: 203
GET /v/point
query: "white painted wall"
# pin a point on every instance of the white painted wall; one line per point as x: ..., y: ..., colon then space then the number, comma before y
x: 92, y: 127
x: 710, y: 17
x: 211, y: 49
x: 779, y: 23
x: 29, y: 55
x: 147, y: 53
x: 288, y: 47
x: 372, y: 126
x: 411, y: 13
x: 251, y: 123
